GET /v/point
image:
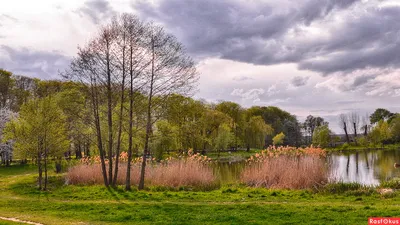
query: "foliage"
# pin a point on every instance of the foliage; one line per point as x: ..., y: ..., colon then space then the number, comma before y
x: 255, y: 132
x: 380, y: 133
x: 224, y: 138
x: 278, y: 139
x: 39, y: 132
x: 322, y: 136
x: 380, y: 114
x: 165, y: 138
x: 395, y: 128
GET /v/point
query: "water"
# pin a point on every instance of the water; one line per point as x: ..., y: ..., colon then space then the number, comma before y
x: 368, y: 167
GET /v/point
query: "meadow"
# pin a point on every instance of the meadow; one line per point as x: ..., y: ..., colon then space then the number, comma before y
x: 236, y: 203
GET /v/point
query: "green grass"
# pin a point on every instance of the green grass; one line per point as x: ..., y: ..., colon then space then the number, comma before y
x: 350, y: 148
x: 232, y: 204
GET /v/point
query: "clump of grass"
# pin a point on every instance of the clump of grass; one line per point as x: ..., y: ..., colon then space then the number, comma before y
x: 392, y: 183
x: 286, y: 172
x: 353, y: 188
x: 192, y: 172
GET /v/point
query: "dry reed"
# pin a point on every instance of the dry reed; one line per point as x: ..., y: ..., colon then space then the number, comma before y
x: 287, y: 168
x: 192, y: 171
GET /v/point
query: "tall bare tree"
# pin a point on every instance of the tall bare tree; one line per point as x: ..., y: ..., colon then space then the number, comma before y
x: 171, y: 71
x: 343, y: 121
x: 355, y: 122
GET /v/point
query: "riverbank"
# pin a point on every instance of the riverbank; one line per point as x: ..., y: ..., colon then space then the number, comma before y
x: 350, y: 148
x: 232, y: 204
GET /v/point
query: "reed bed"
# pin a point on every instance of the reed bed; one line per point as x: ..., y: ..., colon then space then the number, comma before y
x: 286, y: 168
x: 188, y: 171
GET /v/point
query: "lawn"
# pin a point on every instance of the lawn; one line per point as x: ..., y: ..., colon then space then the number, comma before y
x: 235, y: 204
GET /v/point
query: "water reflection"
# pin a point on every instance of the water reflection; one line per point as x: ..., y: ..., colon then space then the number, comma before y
x: 368, y: 167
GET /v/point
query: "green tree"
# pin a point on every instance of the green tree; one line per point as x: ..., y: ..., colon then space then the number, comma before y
x: 380, y: 133
x: 223, y: 139
x: 39, y: 132
x: 6, y: 85
x: 395, y: 128
x: 235, y: 111
x: 164, y: 138
x: 255, y: 132
x: 322, y: 136
x: 278, y: 139
x: 380, y: 114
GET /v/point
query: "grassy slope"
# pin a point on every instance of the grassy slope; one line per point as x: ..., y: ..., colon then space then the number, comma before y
x: 228, y: 205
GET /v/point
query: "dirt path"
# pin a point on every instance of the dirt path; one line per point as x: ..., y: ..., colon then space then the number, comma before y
x: 19, y: 221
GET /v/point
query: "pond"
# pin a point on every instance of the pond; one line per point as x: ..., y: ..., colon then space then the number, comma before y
x: 368, y: 167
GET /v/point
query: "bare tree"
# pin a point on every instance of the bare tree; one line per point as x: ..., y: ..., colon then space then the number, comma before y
x: 355, y: 122
x: 343, y: 121
x: 364, y: 124
x: 171, y: 71
x: 127, y: 52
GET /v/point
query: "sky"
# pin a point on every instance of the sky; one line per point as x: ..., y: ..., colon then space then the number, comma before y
x: 318, y: 57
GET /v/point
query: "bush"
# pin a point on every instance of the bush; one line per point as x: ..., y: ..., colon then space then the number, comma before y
x: 345, y: 146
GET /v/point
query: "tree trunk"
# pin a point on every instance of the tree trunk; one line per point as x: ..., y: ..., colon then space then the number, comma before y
x: 248, y: 148
x: 128, y: 168
x: 98, y: 133
x: 45, y: 169
x: 148, y: 127
x: 355, y: 133
x: 365, y: 130
x: 345, y: 131
x: 40, y: 171
x: 109, y: 116
x: 120, y: 117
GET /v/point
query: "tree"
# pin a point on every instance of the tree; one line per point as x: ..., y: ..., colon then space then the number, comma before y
x: 39, y: 132
x: 380, y: 133
x: 278, y: 139
x: 355, y: 122
x: 223, y: 139
x: 343, y: 121
x: 322, y: 136
x: 395, y: 128
x: 235, y: 111
x: 255, y: 131
x: 6, y: 85
x: 5, y: 149
x: 165, y: 138
x: 292, y: 131
x: 311, y: 123
x: 380, y: 114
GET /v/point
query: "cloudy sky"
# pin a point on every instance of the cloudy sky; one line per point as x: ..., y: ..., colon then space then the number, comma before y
x: 319, y: 57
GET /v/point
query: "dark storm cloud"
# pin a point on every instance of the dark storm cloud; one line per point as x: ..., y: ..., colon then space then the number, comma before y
x: 298, y: 81
x: 256, y: 32
x: 40, y: 64
x: 362, y: 80
x: 97, y: 10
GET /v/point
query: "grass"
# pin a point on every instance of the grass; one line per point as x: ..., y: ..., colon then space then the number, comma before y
x: 232, y: 204
x: 350, y: 148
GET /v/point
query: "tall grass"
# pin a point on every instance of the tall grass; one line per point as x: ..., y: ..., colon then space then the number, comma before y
x: 192, y: 171
x: 287, y: 168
